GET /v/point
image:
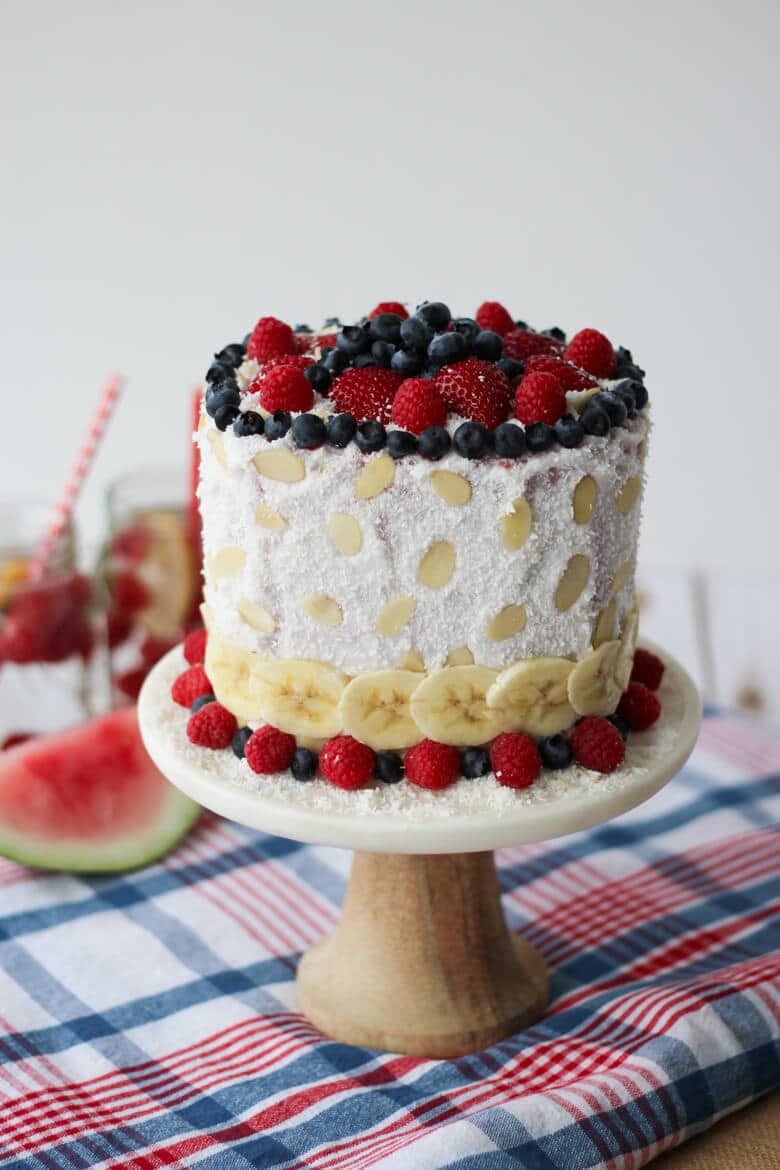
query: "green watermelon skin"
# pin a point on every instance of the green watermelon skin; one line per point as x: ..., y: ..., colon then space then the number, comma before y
x: 89, y: 800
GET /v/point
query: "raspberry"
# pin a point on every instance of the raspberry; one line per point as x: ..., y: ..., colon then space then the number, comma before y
x: 128, y: 593
x: 269, y: 750
x: 476, y: 390
x: 195, y: 647
x: 389, y: 307
x: 520, y: 344
x: 597, y: 744
x: 515, y: 759
x: 152, y: 649
x: 211, y: 726
x: 347, y: 763
x: 366, y: 393
x: 593, y: 352
x: 283, y: 388
x: 540, y: 398
x: 270, y: 338
x: 492, y: 315
x: 190, y: 685
x: 432, y: 765
x: 568, y: 375
x: 130, y: 682
x: 417, y: 405
x: 639, y: 706
x: 298, y: 361
x: 648, y: 669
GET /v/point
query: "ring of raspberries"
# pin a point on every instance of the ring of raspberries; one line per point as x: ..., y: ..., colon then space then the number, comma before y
x: 515, y: 759
x: 394, y: 381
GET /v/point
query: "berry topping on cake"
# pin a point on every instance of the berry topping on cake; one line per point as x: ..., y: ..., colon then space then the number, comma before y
x: 190, y: 685
x: 592, y: 351
x: 569, y: 376
x: 128, y: 593
x: 195, y: 647
x: 555, y: 752
x: 394, y: 307
x: 492, y: 315
x: 283, y: 388
x: 418, y: 405
x: 300, y: 361
x: 515, y: 759
x: 540, y: 398
x: 648, y: 669
x: 472, y: 440
x: 475, y: 389
x: 347, y: 763
x: 303, y: 764
x: 520, y: 344
x: 597, y: 744
x: 640, y: 706
x: 432, y: 765
x: 211, y: 726
x: 270, y: 338
x: 269, y: 750
x: 366, y: 393
x: 309, y: 431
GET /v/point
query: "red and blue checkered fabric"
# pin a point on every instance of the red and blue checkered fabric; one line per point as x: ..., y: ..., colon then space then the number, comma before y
x: 149, y: 1020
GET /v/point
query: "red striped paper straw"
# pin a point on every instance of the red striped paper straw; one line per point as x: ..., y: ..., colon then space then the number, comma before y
x: 64, y: 510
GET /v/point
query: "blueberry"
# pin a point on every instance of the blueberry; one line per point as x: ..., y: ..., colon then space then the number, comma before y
x: 225, y: 414
x: 522, y: 325
x: 488, y: 345
x: 218, y: 371
x: 407, y: 363
x: 362, y: 359
x: 513, y: 369
x: 221, y: 394
x: 370, y: 436
x: 595, y: 420
x: 555, y: 332
x: 569, y: 431
x: 626, y: 395
x: 555, y: 752
x: 621, y: 723
x: 278, y: 424
x: 248, y: 422
x: 332, y: 323
x: 435, y: 314
x: 302, y: 328
x: 509, y: 440
x: 539, y: 436
x: 201, y: 701
x: 389, y: 767
x: 318, y: 378
x: 303, y: 764
x: 341, y: 429
x: 467, y: 326
x: 416, y: 334
x: 473, y: 440
x: 400, y: 443
x: 623, y: 356
x: 434, y: 442
x: 634, y: 388
x: 239, y: 741
x: 386, y: 327
x: 232, y: 355
x: 309, y: 431
x: 382, y: 353
x: 474, y: 762
x: 614, y: 406
x: 448, y: 347
x: 335, y: 360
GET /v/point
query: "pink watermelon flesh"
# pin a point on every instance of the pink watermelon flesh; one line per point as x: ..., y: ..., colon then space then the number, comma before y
x: 89, y: 799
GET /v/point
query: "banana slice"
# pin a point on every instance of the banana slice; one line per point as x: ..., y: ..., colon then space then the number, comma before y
x: 300, y: 695
x: 231, y: 671
x: 628, y: 636
x: 533, y: 694
x: 450, y: 706
x: 593, y: 685
x: 375, y: 709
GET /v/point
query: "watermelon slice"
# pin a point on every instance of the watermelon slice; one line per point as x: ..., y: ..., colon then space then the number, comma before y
x: 89, y: 800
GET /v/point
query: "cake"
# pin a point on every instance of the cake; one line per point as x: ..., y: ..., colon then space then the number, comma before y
x: 419, y: 545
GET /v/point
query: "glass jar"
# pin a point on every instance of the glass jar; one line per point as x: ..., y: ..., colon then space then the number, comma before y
x: 151, y: 568
x: 51, y: 633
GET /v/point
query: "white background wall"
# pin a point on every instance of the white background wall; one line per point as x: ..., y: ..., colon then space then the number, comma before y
x: 171, y: 171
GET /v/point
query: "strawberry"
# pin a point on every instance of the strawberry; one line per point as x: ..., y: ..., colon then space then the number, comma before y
x: 569, y: 376
x: 476, y: 390
x: 418, y: 405
x: 520, y: 344
x: 366, y: 393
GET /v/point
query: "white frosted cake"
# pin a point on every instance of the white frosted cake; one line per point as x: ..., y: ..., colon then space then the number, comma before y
x: 421, y: 533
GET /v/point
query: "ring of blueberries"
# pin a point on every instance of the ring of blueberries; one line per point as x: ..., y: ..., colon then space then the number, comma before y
x: 418, y: 347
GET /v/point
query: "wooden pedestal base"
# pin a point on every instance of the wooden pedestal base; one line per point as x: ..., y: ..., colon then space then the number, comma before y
x: 422, y: 960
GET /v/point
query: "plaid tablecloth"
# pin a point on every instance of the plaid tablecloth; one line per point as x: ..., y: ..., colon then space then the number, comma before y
x: 149, y: 1020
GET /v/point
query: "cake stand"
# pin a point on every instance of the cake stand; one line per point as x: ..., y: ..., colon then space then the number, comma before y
x: 422, y: 960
